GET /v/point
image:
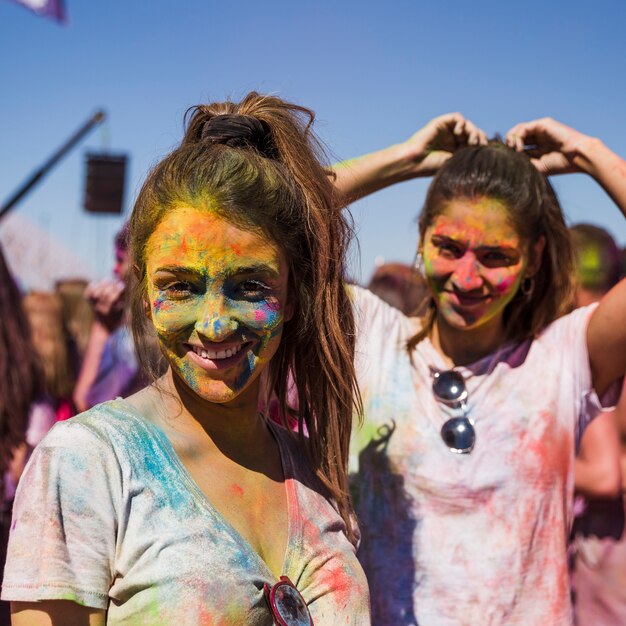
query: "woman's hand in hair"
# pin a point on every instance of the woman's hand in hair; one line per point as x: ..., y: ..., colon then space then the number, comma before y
x: 554, y: 148
x: 431, y: 146
x: 420, y: 155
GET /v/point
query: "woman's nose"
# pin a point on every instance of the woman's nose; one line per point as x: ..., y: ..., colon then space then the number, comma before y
x: 467, y: 275
x: 216, y: 321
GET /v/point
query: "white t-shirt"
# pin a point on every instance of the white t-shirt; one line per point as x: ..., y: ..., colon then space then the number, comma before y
x: 107, y: 516
x: 475, y: 539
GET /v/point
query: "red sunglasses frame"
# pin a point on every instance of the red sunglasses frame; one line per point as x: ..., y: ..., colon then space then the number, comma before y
x: 270, y: 596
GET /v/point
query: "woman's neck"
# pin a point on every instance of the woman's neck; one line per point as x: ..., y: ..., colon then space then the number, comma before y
x: 234, y: 427
x: 462, y: 346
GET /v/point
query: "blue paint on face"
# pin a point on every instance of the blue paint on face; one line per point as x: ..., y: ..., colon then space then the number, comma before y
x: 218, y: 296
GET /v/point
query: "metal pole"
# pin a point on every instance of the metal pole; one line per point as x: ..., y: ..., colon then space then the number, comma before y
x: 93, y: 121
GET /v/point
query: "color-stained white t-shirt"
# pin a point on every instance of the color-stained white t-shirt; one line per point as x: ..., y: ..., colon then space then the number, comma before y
x: 107, y: 516
x: 477, y: 539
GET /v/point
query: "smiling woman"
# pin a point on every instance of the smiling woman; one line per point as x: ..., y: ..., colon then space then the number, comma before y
x: 218, y: 296
x: 182, y: 504
x: 474, y: 261
x: 463, y: 470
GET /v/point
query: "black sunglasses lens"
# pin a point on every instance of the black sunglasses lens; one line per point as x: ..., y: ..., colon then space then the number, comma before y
x: 290, y: 606
x: 449, y: 387
x: 459, y: 435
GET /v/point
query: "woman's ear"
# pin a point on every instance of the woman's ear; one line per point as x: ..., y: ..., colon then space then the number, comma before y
x: 146, y: 309
x: 288, y: 311
x: 534, y: 262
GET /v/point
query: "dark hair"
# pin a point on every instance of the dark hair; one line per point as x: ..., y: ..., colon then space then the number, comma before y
x: 496, y: 171
x: 598, y: 257
x: 121, y: 237
x: 20, y: 373
x: 258, y: 164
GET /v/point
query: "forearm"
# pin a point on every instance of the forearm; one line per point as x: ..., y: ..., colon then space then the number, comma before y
x: 597, y: 469
x: 91, y: 362
x: 422, y: 154
x: 366, y: 174
x: 608, y: 169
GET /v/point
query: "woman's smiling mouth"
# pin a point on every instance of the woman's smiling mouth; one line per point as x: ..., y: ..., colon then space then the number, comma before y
x: 468, y: 299
x: 217, y: 356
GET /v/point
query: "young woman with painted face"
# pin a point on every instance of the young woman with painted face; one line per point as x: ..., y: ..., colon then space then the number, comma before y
x: 463, y: 470
x: 182, y: 504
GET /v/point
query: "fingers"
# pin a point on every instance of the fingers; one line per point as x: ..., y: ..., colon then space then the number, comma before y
x: 463, y: 130
x: 475, y: 136
x: 516, y: 136
x: 106, y: 295
x: 543, y: 132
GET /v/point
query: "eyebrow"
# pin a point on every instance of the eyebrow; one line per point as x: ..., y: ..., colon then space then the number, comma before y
x: 459, y: 242
x: 256, y: 268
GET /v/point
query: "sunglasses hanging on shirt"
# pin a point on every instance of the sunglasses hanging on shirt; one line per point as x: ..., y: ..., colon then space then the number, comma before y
x: 287, y: 604
x: 458, y: 433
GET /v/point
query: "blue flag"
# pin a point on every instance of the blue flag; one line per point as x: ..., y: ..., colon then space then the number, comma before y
x: 54, y: 9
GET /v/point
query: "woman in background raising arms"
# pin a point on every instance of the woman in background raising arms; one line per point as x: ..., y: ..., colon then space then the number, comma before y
x: 463, y: 470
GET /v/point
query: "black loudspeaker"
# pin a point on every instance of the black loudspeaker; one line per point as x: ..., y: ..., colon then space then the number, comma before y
x: 104, y: 183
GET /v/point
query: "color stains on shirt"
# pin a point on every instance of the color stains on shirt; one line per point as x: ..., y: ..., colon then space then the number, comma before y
x: 468, y: 539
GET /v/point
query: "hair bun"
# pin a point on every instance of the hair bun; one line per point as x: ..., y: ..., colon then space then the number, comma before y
x: 240, y: 131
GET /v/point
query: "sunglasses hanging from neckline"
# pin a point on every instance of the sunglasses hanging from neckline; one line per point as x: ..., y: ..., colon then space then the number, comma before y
x: 458, y: 433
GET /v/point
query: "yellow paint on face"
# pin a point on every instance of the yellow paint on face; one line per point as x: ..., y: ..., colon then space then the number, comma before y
x: 474, y: 261
x: 215, y: 287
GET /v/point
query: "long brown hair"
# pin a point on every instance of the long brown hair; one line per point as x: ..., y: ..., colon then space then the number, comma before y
x: 496, y: 171
x: 44, y: 312
x: 20, y: 373
x: 263, y: 168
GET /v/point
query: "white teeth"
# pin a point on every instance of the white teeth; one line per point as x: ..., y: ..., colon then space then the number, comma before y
x: 216, y: 354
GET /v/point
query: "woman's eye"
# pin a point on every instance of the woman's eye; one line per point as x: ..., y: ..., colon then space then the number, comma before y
x: 450, y: 250
x: 252, y: 289
x: 495, y: 258
x: 179, y: 289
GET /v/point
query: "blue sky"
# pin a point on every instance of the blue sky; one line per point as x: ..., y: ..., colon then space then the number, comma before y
x: 373, y: 72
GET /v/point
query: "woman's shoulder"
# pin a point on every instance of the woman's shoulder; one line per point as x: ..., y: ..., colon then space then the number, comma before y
x: 375, y: 317
x: 569, y: 326
x: 294, y: 456
x: 106, y: 423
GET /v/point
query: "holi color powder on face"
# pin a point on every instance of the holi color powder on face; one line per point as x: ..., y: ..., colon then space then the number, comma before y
x: 216, y: 288
x: 474, y: 261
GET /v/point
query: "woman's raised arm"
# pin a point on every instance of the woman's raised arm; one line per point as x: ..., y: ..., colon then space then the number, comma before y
x: 420, y: 155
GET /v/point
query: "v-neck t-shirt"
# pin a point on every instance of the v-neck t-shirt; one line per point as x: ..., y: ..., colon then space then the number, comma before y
x: 465, y: 539
x: 107, y: 516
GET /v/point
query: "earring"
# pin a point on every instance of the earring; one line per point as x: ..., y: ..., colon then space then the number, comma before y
x: 527, y: 286
x: 418, y: 265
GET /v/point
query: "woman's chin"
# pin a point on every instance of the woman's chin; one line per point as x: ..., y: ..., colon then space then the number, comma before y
x: 467, y: 320
x: 460, y: 321
x: 212, y: 390
x: 219, y: 392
